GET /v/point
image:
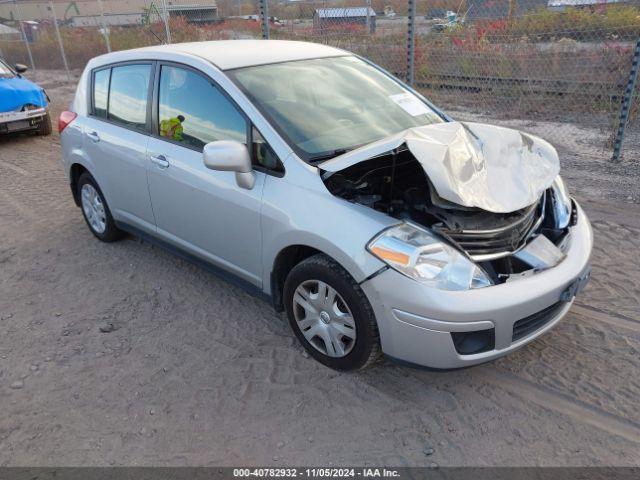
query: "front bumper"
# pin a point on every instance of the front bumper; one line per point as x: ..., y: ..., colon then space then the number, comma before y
x: 416, y: 322
x: 23, y: 120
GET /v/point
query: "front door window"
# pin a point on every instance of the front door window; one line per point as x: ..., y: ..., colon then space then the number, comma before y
x: 194, y: 112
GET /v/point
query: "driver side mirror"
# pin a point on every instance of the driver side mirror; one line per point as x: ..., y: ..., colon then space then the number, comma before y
x: 20, y: 68
x: 230, y: 156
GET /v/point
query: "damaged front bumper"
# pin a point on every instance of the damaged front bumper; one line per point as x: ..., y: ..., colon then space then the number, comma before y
x: 452, y: 329
x: 18, y: 121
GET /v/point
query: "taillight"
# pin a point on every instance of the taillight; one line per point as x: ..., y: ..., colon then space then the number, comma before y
x: 65, y: 119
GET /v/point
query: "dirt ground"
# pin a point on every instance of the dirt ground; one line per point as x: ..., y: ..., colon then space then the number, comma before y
x: 197, y: 372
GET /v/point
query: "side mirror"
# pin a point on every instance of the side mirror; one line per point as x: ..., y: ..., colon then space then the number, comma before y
x: 20, y: 68
x: 230, y: 156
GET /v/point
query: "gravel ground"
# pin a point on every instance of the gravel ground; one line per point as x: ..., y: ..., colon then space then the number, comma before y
x: 197, y: 372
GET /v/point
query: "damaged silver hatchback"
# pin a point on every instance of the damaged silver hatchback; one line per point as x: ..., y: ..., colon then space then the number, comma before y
x: 315, y: 178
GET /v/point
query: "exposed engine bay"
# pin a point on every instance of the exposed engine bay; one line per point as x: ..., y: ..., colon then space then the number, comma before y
x: 396, y: 183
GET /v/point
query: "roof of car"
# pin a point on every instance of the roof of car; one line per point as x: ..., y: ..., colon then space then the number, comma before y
x: 229, y: 54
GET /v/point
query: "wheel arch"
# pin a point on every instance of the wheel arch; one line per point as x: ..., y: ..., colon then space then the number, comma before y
x: 75, y: 171
x: 291, y: 248
x: 283, y: 263
x: 295, y: 252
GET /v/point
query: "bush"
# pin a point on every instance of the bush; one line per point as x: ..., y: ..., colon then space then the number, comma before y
x: 577, y: 60
x: 602, y: 22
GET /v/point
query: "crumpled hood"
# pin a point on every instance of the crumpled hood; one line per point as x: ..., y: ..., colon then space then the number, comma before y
x: 16, y: 92
x: 471, y: 164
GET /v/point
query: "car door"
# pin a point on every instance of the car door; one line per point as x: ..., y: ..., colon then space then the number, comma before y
x: 201, y: 210
x: 115, y: 139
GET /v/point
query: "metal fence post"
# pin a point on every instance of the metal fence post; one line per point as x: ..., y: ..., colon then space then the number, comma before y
x: 411, y: 42
x: 264, y: 15
x: 24, y: 36
x: 627, y: 99
x: 105, y: 32
x: 165, y: 19
x: 55, y: 24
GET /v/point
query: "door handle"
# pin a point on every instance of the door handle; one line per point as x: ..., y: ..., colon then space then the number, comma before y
x: 160, y: 160
x: 94, y: 136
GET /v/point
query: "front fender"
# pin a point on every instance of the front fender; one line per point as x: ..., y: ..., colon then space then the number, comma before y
x: 312, y: 217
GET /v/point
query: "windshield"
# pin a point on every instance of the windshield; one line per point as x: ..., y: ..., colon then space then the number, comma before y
x: 326, y: 106
x: 5, y: 71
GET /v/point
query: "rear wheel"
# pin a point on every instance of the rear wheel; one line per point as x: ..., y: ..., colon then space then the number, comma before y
x: 96, y: 211
x: 44, y: 127
x: 330, y: 314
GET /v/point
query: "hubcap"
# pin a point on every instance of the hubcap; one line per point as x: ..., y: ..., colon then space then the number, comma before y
x: 324, y: 318
x: 93, y: 208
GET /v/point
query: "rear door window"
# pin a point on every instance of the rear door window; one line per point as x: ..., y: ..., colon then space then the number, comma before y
x: 193, y: 112
x: 128, y: 95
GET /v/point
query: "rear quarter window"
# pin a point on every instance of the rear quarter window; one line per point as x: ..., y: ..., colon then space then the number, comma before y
x: 101, y: 92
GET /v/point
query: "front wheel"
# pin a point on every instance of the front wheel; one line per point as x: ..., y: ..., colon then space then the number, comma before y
x: 44, y: 127
x: 330, y: 314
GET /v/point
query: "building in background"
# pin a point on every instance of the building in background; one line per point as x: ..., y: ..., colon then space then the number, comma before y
x: 490, y: 9
x: 116, y: 12
x: 8, y: 33
x: 329, y: 18
x: 201, y: 13
x: 561, y: 5
x: 108, y: 20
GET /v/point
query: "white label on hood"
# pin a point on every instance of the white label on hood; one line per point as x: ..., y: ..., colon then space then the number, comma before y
x: 410, y: 104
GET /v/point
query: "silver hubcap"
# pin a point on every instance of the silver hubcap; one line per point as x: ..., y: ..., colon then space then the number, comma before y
x: 93, y: 208
x: 324, y: 318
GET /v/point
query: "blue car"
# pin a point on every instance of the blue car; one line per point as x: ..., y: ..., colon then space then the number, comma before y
x: 24, y: 106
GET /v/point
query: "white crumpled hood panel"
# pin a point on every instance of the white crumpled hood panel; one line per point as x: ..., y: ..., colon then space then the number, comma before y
x: 472, y: 164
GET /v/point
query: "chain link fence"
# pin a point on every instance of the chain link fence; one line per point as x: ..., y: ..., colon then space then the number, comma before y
x: 551, y: 67
x: 548, y: 66
x: 354, y: 25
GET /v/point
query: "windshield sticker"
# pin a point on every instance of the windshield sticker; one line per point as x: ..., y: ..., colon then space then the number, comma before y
x: 410, y: 104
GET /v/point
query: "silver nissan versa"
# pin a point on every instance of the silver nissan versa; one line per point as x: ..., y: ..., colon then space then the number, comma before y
x: 315, y: 178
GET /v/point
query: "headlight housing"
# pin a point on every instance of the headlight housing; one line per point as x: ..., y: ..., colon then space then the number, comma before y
x: 420, y: 255
x: 561, y: 202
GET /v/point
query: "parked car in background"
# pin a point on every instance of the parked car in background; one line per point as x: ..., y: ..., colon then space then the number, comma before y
x: 24, y: 106
x: 377, y: 222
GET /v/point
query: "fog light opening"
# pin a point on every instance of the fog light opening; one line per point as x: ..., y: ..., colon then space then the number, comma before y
x: 469, y: 343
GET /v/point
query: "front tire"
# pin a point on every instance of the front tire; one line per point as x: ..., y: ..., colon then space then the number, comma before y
x: 44, y: 127
x: 330, y: 314
x: 96, y: 211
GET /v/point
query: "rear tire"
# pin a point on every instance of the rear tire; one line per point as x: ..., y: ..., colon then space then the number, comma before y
x: 44, y: 127
x: 96, y: 211
x: 330, y: 315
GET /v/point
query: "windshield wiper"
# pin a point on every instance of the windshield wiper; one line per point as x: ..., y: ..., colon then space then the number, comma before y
x: 327, y: 155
